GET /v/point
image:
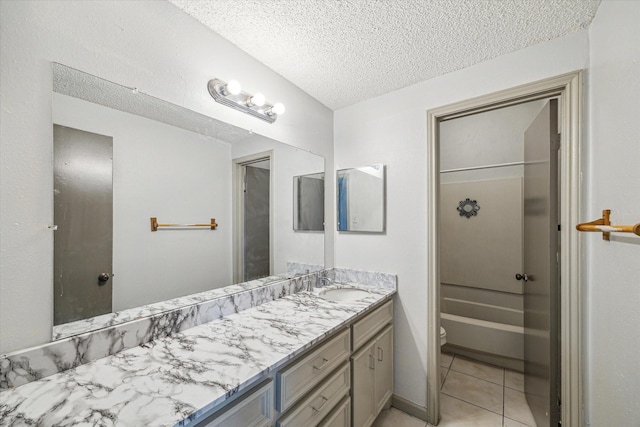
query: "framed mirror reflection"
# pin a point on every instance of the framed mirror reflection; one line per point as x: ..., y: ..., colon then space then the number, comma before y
x: 361, y: 199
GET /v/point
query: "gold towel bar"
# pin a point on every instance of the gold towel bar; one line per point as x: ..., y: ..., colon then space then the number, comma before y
x: 155, y: 225
x: 604, y: 226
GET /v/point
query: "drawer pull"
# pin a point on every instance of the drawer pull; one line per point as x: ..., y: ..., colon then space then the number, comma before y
x: 380, y: 354
x: 322, y: 365
x: 316, y: 410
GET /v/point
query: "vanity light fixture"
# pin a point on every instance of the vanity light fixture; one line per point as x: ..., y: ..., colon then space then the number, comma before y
x: 277, y: 108
x: 231, y: 88
x: 256, y: 100
x: 231, y: 95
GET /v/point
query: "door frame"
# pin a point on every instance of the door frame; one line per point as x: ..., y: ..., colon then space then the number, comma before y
x: 569, y: 88
x: 238, y: 210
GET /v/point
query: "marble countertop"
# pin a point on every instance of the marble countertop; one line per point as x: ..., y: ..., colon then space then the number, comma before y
x: 176, y: 380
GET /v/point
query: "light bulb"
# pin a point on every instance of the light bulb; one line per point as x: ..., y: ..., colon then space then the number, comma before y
x: 257, y: 100
x: 233, y: 87
x: 277, y: 108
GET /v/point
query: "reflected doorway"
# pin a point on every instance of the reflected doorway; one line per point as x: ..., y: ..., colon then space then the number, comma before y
x: 253, y: 219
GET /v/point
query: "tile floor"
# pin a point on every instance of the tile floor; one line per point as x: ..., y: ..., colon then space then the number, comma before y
x: 473, y: 394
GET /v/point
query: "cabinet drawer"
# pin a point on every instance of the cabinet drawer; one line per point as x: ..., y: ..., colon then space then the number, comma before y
x: 254, y: 410
x: 365, y: 329
x: 320, y: 402
x: 296, y: 380
x: 340, y: 416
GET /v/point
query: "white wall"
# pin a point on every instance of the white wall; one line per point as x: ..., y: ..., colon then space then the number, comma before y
x: 613, y: 268
x: 149, y: 45
x: 392, y: 129
x: 488, y: 138
x: 153, y: 164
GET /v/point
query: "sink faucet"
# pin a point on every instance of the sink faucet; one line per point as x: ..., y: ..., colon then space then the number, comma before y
x: 309, y: 285
x: 307, y: 280
x: 327, y: 281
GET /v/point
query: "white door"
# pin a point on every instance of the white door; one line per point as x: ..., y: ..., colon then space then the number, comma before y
x: 541, y: 287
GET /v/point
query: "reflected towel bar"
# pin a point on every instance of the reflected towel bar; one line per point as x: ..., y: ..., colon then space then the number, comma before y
x: 155, y: 225
x: 604, y: 226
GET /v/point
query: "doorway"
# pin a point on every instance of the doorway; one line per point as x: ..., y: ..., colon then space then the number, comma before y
x: 498, y: 261
x: 253, y: 217
x: 567, y: 89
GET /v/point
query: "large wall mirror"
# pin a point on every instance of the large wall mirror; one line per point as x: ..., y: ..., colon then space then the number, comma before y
x: 121, y: 158
x: 361, y: 199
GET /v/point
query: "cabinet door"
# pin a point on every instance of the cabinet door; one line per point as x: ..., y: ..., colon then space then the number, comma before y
x: 363, y: 371
x: 297, y: 380
x: 367, y: 327
x: 253, y: 410
x: 319, y: 402
x: 340, y: 417
x: 384, y: 367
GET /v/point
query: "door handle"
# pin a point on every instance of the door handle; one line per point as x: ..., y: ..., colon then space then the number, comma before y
x: 103, y: 278
x: 524, y: 277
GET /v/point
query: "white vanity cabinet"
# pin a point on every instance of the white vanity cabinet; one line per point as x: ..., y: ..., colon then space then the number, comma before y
x: 383, y: 354
x: 372, y: 365
x: 320, y: 402
x: 344, y: 381
x: 310, y: 388
x: 300, y: 377
x: 254, y: 409
x: 340, y: 416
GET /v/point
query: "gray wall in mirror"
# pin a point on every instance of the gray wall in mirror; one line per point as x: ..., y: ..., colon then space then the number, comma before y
x: 176, y: 165
x: 361, y: 199
x: 308, y: 202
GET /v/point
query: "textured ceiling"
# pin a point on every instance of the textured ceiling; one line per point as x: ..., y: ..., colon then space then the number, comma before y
x: 345, y: 51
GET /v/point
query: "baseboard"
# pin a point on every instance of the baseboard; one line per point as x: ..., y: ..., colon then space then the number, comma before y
x: 409, y: 407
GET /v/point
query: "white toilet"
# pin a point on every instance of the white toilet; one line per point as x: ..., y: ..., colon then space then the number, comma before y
x: 443, y: 336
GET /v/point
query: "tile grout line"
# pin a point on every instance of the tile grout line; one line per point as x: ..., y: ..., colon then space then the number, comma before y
x: 504, y: 385
x: 480, y: 364
x: 477, y: 378
x: 447, y: 374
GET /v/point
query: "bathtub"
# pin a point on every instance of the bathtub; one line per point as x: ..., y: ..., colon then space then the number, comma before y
x: 497, y: 341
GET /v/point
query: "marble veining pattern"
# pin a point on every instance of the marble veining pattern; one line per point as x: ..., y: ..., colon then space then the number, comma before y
x: 176, y: 380
x: 298, y: 268
x: 367, y: 278
x: 98, y: 322
x: 35, y: 363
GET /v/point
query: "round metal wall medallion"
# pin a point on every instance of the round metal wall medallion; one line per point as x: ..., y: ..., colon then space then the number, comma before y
x: 468, y: 208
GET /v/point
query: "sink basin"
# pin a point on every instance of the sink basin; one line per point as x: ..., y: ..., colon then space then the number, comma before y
x: 344, y: 294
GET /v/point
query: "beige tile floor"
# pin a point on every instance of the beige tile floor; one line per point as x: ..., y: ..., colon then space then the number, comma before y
x: 473, y: 394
